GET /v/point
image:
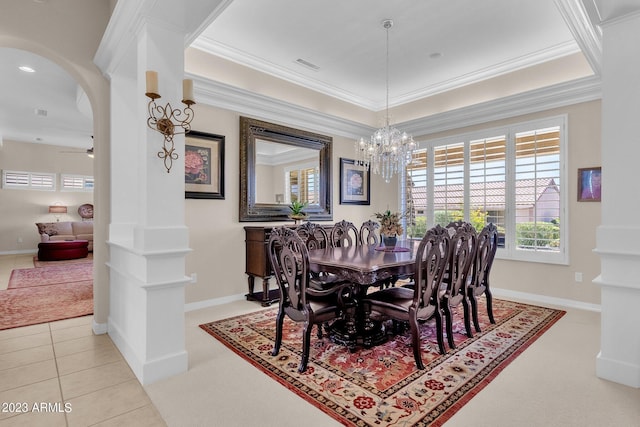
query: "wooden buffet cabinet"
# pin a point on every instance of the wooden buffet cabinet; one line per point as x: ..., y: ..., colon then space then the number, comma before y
x: 258, y: 265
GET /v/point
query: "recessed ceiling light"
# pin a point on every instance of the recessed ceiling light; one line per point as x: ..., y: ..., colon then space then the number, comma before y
x: 435, y: 55
x: 26, y: 69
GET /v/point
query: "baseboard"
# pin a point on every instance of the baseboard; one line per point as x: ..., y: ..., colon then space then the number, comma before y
x: 192, y: 306
x: 20, y: 252
x: 618, y: 371
x: 100, y: 328
x: 148, y: 372
x: 543, y: 299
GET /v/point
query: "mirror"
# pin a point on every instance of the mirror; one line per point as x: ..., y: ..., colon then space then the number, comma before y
x: 279, y: 165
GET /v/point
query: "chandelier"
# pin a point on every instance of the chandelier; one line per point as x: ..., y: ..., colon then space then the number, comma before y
x: 388, y: 150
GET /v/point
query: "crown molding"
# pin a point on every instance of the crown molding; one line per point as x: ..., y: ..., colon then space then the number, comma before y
x: 555, y: 96
x: 263, y: 107
x: 273, y: 110
x: 586, y: 33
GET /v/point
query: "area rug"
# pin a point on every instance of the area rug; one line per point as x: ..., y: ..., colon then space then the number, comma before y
x: 381, y: 386
x: 51, y: 275
x: 87, y: 260
x: 41, y: 304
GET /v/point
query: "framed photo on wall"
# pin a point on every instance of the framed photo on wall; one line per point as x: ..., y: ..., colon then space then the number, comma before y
x: 354, y: 183
x: 589, y: 184
x: 203, y: 165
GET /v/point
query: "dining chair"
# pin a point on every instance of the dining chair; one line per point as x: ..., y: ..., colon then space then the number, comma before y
x: 453, y: 291
x: 315, y: 237
x: 344, y: 234
x: 368, y: 234
x: 487, y: 244
x: 289, y: 259
x: 421, y: 303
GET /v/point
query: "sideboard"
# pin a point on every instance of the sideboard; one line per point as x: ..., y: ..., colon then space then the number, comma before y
x: 258, y: 264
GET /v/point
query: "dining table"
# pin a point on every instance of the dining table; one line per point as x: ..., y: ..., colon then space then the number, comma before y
x: 363, y: 266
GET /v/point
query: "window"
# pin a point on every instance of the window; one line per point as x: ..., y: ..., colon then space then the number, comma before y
x: 509, y: 176
x: 29, y: 180
x: 303, y: 185
x: 76, y: 183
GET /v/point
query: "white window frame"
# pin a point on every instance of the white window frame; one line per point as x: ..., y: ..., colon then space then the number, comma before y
x: 86, y: 183
x: 510, y: 250
x: 30, y: 180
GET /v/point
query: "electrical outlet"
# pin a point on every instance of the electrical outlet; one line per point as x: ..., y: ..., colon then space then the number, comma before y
x: 194, y: 278
x: 578, y: 277
x: 19, y: 239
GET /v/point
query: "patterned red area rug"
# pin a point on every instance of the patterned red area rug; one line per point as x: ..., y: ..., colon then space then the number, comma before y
x: 87, y: 260
x: 381, y: 385
x: 27, y: 277
x: 41, y: 304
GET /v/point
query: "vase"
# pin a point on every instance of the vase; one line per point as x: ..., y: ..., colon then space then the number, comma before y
x: 389, y: 241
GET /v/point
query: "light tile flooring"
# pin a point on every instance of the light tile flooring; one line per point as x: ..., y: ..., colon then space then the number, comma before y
x: 64, y: 363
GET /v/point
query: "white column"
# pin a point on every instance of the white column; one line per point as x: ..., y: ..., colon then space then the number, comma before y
x: 148, y: 238
x: 619, y: 235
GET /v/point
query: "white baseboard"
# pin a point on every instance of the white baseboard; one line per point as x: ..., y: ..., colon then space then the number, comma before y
x: 20, y: 252
x: 497, y: 292
x: 212, y: 302
x: 100, y: 328
x: 543, y: 299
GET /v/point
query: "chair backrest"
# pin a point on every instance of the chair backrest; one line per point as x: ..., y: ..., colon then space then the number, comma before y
x: 314, y: 235
x: 344, y: 234
x: 368, y: 233
x: 289, y: 259
x: 487, y: 245
x: 432, y: 256
x: 461, y: 258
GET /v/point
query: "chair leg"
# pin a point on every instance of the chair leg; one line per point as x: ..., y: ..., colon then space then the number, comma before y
x: 449, y: 325
x: 474, y: 310
x: 279, y: 323
x: 415, y: 341
x: 306, y: 346
x: 467, y: 317
x: 487, y: 292
x: 439, y: 332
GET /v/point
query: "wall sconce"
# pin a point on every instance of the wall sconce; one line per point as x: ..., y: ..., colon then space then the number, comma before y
x: 165, y: 119
x: 57, y: 210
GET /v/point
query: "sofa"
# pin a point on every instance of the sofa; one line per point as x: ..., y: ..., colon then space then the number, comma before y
x: 66, y: 230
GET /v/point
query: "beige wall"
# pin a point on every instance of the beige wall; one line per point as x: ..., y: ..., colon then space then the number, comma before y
x: 217, y: 237
x: 21, y: 209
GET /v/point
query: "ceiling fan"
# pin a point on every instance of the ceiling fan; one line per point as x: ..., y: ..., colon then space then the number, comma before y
x: 88, y: 152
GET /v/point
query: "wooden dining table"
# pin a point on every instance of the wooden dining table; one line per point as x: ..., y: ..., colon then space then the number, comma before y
x: 363, y: 266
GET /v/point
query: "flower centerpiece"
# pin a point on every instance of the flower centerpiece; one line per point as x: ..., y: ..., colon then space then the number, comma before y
x: 390, y: 226
x: 297, y: 210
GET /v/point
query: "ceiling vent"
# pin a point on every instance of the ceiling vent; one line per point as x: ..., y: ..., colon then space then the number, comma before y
x: 307, y: 64
x: 41, y: 112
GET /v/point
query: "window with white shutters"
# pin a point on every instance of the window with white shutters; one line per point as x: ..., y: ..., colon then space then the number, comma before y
x: 28, y: 180
x: 513, y: 177
x: 76, y: 183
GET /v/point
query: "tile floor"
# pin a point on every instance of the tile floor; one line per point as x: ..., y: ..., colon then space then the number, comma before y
x: 81, y: 378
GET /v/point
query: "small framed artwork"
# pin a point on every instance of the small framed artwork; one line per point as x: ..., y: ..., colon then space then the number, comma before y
x: 203, y: 165
x: 354, y: 183
x: 589, y: 184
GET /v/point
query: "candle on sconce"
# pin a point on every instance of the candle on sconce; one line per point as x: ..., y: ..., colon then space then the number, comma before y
x: 187, y: 91
x: 152, y: 82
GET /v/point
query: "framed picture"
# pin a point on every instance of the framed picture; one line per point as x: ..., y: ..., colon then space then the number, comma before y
x: 589, y: 184
x: 354, y: 183
x: 203, y: 166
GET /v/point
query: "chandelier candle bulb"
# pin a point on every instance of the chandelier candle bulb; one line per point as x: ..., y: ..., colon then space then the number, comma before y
x: 152, y: 82
x: 187, y: 91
